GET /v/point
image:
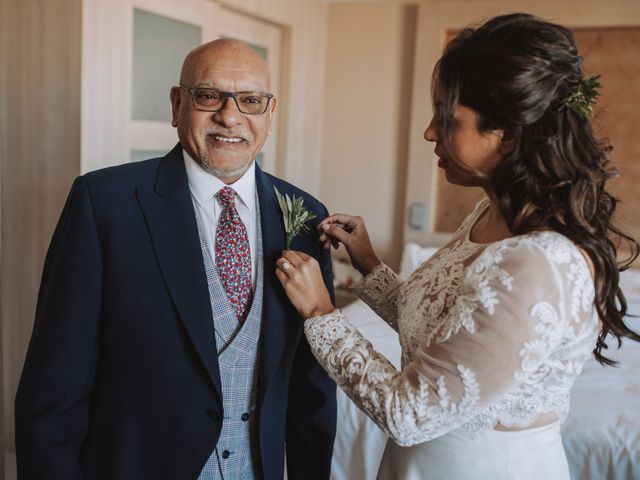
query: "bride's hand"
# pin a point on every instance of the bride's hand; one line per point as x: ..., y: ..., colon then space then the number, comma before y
x: 352, y: 233
x: 302, y: 280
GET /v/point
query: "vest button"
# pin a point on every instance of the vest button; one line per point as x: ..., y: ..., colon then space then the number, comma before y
x: 244, y: 417
x: 225, y: 454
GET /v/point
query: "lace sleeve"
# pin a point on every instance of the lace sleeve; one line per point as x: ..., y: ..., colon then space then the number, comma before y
x: 379, y: 289
x: 512, y: 312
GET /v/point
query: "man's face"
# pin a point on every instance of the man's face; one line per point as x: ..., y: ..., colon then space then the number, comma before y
x: 225, y: 142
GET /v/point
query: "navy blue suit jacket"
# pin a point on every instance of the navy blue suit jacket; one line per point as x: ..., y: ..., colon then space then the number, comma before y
x: 121, y: 378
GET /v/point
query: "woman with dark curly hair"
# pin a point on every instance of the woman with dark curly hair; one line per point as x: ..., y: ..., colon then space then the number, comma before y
x: 496, y: 326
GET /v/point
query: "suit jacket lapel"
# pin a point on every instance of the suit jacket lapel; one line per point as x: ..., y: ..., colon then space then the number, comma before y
x: 174, y: 233
x: 274, y: 310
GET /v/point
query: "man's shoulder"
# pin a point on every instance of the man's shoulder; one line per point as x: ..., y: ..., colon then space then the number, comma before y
x: 125, y: 174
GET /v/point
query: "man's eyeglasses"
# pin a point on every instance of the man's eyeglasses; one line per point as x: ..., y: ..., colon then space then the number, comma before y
x: 214, y: 100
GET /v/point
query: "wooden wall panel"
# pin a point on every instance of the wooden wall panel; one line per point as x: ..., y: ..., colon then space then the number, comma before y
x: 40, y: 120
x: 613, y: 53
x: 366, y: 143
x: 4, y: 83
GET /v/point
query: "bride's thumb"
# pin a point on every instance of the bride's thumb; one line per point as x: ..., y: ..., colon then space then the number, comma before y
x: 334, y: 231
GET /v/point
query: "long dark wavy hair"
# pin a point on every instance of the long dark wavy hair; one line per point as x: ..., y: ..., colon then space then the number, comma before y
x: 515, y: 71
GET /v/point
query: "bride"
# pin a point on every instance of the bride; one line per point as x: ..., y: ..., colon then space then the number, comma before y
x: 496, y: 326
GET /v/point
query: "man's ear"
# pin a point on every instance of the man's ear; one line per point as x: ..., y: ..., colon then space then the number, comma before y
x: 272, y: 109
x: 272, y: 106
x: 507, y: 143
x: 175, y: 98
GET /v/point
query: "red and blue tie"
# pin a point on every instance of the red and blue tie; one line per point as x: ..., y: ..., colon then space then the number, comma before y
x: 233, y: 253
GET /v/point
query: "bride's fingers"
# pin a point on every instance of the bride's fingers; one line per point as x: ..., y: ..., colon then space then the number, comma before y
x: 284, y: 266
x: 331, y: 224
x: 288, y: 262
x: 328, y: 242
x: 281, y: 276
x: 296, y: 258
x: 291, y: 261
x: 337, y: 233
x: 341, y: 219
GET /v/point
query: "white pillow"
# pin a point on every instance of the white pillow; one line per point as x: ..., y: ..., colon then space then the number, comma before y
x: 413, y: 256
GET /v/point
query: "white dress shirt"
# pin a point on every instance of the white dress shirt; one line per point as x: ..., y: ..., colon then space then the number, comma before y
x: 204, y: 187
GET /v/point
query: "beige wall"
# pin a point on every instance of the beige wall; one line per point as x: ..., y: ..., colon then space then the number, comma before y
x: 367, y: 97
x: 305, y: 27
x: 363, y: 49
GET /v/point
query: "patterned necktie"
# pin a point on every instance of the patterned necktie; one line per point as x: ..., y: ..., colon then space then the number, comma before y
x: 233, y: 254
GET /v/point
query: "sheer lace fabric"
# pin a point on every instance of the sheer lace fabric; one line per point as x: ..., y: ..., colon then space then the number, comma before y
x: 490, y: 334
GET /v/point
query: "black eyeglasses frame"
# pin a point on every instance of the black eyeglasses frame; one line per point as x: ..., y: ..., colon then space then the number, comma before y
x: 225, y: 97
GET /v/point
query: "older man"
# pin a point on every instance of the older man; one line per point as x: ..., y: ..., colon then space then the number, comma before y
x: 163, y: 345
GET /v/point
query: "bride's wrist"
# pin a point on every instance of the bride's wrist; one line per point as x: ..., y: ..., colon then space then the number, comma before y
x: 320, y: 310
x: 368, y: 265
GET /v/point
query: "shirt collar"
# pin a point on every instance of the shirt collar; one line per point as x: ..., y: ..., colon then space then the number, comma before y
x: 204, y: 185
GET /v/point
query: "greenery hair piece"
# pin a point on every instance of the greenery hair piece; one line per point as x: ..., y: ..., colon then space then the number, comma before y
x: 583, y: 98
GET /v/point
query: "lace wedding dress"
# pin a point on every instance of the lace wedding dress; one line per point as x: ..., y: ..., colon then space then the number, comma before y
x: 493, y: 337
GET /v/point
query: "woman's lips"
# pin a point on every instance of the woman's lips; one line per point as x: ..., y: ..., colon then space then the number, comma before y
x: 441, y: 160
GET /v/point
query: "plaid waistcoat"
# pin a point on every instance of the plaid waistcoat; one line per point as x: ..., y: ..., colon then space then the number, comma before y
x: 236, y: 455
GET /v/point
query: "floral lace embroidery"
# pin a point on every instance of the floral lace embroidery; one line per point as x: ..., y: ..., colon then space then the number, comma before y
x: 379, y: 389
x: 380, y: 290
x: 440, y: 277
x: 437, y: 303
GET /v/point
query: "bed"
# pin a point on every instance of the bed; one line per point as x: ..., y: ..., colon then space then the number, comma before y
x: 601, y: 434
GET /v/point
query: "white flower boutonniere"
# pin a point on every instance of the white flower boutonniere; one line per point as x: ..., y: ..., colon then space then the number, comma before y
x: 295, y: 216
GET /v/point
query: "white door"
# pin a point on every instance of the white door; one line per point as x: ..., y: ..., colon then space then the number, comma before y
x: 132, y: 56
x: 164, y: 31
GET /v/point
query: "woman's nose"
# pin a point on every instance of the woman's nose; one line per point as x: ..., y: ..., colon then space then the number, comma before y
x: 431, y: 133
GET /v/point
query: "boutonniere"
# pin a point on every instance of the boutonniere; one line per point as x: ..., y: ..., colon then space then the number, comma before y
x: 295, y: 216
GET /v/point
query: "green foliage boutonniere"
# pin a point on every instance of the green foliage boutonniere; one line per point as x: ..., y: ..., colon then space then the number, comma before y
x: 294, y: 214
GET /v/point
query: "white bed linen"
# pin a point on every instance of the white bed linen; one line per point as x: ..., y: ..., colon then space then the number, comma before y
x: 601, y: 434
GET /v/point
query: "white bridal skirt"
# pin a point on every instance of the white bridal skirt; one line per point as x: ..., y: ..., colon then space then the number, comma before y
x: 531, y: 454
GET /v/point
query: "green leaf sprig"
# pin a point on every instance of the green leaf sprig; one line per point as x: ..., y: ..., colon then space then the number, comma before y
x: 583, y: 98
x: 295, y: 216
